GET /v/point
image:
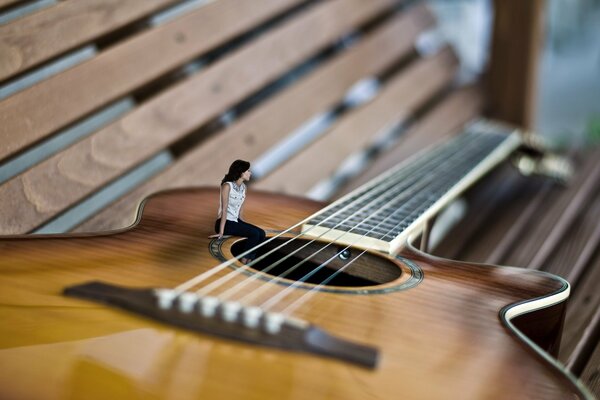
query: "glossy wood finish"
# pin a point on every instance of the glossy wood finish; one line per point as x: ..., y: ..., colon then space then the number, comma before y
x: 511, y: 217
x: 441, y: 339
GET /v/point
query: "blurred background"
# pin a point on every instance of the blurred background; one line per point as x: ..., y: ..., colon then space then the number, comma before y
x: 105, y: 102
x: 568, y: 78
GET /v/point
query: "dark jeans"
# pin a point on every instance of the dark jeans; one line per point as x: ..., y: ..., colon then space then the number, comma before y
x: 254, y: 234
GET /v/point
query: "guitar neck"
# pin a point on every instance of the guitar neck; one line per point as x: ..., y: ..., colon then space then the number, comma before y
x: 384, y: 213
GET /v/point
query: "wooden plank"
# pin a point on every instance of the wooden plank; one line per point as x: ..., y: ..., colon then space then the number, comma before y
x: 397, y: 101
x: 541, y: 238
x: 5, y: 3
x: 591, y: 375
x: 514, y: 59
x: 443, y: 120
x: 262, y: 127
x: 531, y: 202
x: 29, y: 41
x: 529, y: 211
x: 582, y: 233
x: 583, y: 304
x: 503, y: 190
x: 584, y: 349
x: 64, y: 98
x: 68, y: 177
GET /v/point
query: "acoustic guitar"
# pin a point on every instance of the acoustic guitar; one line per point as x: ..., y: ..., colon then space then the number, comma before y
x: 338, y: 304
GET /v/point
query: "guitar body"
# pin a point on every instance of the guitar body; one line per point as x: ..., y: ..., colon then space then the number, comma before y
x: 446, y: 337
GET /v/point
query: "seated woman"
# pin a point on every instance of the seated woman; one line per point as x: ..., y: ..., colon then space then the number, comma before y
x: 233, y: 193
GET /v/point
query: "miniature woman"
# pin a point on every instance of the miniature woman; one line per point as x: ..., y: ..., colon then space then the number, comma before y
x: 233, y: 194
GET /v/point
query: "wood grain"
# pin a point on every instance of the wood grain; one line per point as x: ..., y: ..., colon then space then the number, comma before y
x: 41, y: 110
x: 563, y: 208
x: 444, y: 119
x: 264, y: 126
x: 591, y: 374
x: 584, y: 302
x: 66, y: 178
x: 396, y: 102
x: 514, y: 60
x: 440, y: 339
x: 33, y: 39
x: 505, y: 190
x: 526, y: 223
x: 4, y: 3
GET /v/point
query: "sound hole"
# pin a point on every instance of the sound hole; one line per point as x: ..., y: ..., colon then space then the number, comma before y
x: 300, y: 261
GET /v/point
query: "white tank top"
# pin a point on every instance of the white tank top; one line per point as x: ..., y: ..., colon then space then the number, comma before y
x: 236, y: 199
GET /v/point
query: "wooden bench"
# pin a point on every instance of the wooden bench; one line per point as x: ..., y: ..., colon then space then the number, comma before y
x: 107, y: 102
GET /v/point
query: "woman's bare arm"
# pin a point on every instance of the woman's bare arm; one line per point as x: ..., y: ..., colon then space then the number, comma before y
x: 225, y: 189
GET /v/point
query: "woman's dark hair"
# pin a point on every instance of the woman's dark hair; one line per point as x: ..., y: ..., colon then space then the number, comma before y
x: 237, y: 168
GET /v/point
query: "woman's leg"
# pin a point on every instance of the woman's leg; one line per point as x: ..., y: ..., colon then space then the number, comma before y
x: 254, y: 234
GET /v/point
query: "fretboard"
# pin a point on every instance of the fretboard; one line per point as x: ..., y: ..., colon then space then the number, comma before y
x: 384, y: 212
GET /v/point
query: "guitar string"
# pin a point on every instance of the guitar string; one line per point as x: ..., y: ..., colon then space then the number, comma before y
x: 290, y: 308
x: 366, y: 188
x: 205, y: 290
x: 443, y: 147
x: 207, y: 274
x: 256, y: 292
x: 274, y: 300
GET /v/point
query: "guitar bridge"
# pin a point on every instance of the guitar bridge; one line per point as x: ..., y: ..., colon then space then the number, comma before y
x: 229, y: 320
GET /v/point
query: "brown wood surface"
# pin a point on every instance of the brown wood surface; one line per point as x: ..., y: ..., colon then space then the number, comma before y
x: 513, y: 238
x: 66, y: 178
x: 4, y: 3
x: 494, y: 193
x: 264, y: 126
x: 396, y: 102
x: 64, y: 98
x: 514, y: 60
x: 444, y: 119
x: 585, y: 300
x: 35, y: 38
x: 563, y: 208
x: 591, y: 374
x: 522, y: 221
x: 441, y: 339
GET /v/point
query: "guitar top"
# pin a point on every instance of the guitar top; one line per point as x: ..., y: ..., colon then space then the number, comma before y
x: 441, y: 329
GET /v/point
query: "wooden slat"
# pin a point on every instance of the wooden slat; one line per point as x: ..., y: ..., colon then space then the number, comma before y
x: 507, y: 239
x: 503, y: 190
x: 542, y: 237
x: 518, y: 232
x: 530, y: 204
x: 443, y: 120
x: 39, y: 111
x: 583, y: 304
x: 582, y: 233
x: 591, y: 375
x: 40, y: 36
x: 263, y: 127
x: 4, y: 3
x: 513, y: 195
x: 588, y: 342
x: 397, y: 101
x: 62, y: 180
x: 514, y: 60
